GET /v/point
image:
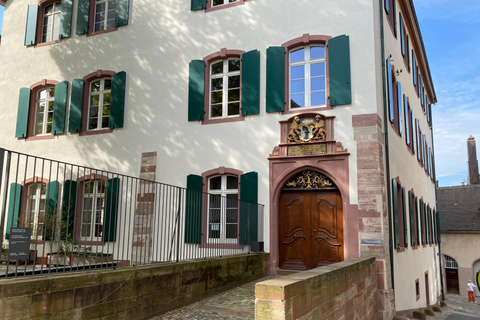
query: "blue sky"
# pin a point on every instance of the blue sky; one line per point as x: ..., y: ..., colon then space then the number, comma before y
x: 452, y: 41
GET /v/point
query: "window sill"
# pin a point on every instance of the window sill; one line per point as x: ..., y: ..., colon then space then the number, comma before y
x: 224, y: 120
x: 43, y: 44
x: 43, y: 137
x: 224, y: 6
x: 307, y: 110
x: 95, y: 33
x: 94, y: 132
x: 221, y: 245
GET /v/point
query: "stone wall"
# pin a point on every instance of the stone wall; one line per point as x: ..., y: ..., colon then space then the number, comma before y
x: 139, y: 292
x: 344, y: 290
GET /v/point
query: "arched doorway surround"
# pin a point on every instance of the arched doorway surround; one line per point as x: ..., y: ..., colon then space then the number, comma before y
x: 334, y: 164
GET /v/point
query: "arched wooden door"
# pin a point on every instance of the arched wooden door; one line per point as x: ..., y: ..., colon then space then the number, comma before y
x: 310, y: 229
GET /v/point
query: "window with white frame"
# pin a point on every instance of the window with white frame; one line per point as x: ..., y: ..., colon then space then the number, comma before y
x: 223, y: 209
x: 92, y: 210
x: 51, y: 22
x: 225, y: 88
x: 222, y: 2
x: 99, y: 104
x: 450, y: 263
x: 35, y: 209
x: 104, y: 14
x: 307, y: 77
x: 44, y: 110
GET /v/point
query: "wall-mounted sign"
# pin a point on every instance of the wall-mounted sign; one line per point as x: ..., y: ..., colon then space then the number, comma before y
x: 19, y: 244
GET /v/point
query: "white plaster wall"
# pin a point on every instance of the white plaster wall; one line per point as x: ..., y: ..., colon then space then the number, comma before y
x: 154, y: 50
x: 463, y: 247
x: 412, y: 176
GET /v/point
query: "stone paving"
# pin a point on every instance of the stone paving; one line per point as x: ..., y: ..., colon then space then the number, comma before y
x: 239, y: 304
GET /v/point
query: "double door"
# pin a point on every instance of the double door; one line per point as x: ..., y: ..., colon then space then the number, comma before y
x: 310, y: 229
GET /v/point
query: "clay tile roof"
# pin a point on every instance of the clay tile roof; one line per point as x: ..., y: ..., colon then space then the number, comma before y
x: 459, y: 208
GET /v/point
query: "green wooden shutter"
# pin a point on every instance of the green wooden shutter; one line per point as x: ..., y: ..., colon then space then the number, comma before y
x: 198, y: 4
x: 251, y: 82
x: 387, y: 8
x: 68, y: 209
x: 394, y: 12
x: 438, y: 228
x: 402, y: 37
x: 50, y: 212
x: 417, y: 138
x: 422, y: 220
x: 31, y: 28
x: 76, y: 106
x: 412, y: 130
x: 339, y: 70
x: 117, y: 104
x: 59, y: 107
x: 408, y: 53
x: 112, y: 200
x: 414, y: 70
x: 396, y: 231
x: 404, y: 215
x: 275, y: 86
x: 399, y: 108
x: 248, y: 208
x: 390, y: 90
x: 13, y: 212
x: 83, y: 14
x: 193, y: 209
x: 121, y: 13
x: 416, y: 219
x: 66, y: 19
x: 196, y: 90
x: 407, y: 120
x: 410, y: 215
x: 22, y: 115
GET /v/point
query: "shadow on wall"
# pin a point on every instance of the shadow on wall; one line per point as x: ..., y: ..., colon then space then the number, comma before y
x: 155, y: 49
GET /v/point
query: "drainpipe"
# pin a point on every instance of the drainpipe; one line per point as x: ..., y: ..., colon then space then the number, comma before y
x: 387, y: 157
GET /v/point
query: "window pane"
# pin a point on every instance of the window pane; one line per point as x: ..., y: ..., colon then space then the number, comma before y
x: 108, y: 84
x: 318, y: 98
x: 217, y: 2
x: 232, y: 182
x: 217, y: 67
x: 233, y: 108
x: 317, y: 69
x: 216, y: 183
x: 95, y: 86
x: 49, y: 128
x: 231, y: 231
x: 42, y: 94
x: 94, y: 100
x: 297, y: 72
x: 233, y: 95
x: 92, y: 123
x: 216, y: 111
x: 317, y: 84
x: 214, y: 231
x: 217, y: 84
x: 93, y: 112
x: 232, y: 215
x: 49, y: 9
x: 233, y: 65
x: 297, y: 55
x: 99, y: 26
x: 217, y: 97
x: 214, y: 216
x: 105, y: 122
x: 317, y: 52
x: 106, y: 110
x: 50, y: 106
x: 297, y: 100
x: 106, y: 98
x: 234, y: 82
x: 297, y: 86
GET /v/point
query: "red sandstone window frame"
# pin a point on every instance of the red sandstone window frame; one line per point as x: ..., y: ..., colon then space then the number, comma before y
x: 91, y: 77
x: 391, y: 15
x: 211, y: 8
x: 37, y: 86
x: 205, y: 176
x: 38, y: 37
x: 223, y: 54
x: 294, y: 44
x: 25, y: 185
x: 79, y: 208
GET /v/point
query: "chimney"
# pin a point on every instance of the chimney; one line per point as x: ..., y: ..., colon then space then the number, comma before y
x: 473, y: 174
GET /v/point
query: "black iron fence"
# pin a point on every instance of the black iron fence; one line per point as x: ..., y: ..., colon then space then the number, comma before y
x: 57, y: 217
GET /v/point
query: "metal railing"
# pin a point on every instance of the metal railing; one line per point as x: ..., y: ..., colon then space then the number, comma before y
x: 80, y: 218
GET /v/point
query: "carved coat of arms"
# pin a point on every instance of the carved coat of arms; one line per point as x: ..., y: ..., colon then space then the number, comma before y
x: 307, y: 129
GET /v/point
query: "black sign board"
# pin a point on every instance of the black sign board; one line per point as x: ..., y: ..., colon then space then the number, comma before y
x: 19, y: 244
